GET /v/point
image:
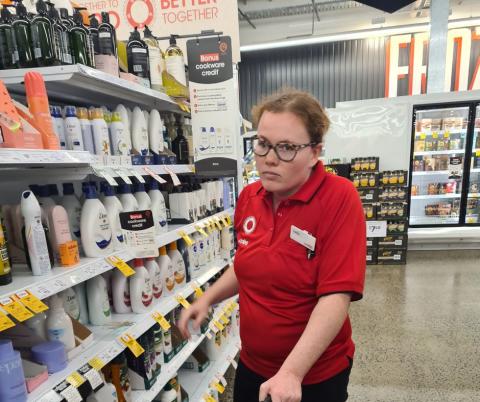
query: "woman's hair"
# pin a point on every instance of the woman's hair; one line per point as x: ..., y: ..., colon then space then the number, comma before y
x: 301, y: 104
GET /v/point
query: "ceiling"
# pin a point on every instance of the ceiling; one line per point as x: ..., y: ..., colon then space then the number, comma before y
x: 264, y: 21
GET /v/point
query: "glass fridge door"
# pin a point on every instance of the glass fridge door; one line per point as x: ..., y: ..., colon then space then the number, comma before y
x: 473, y: 195
x: 439, y: 144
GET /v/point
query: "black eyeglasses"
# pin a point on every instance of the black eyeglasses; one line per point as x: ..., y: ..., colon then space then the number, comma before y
x: 285, y: 151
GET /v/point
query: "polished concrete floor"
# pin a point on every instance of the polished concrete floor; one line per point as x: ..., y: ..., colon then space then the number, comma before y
x: 417, y: 331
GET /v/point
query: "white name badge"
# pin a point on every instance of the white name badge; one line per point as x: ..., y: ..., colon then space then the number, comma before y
x: 303, y: 237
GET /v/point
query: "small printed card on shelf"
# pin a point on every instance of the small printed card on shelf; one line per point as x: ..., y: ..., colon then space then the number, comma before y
x: 132, y: 344
x: 139, y: 233
x: 31, y: 301
x: 16, y: 309
x: 186, y: 238
x: 182, y: 301
x: 5, y: 322
x: 161, y: 320
x: 121, y: 265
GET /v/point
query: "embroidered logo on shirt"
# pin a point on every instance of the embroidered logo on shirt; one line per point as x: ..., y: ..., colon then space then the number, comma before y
x: 243, y: 242
x: 249, y: 224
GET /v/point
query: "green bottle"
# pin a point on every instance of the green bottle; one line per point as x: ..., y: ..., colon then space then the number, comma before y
x: 65, y: 18
x: 8, y: 45
x: 107, y: 35
x: 93, y: 29
x: 60, y: 35
x: 23, y: 37
x: 90, y: 49
x: 45, y: 50
x: 78, y: 40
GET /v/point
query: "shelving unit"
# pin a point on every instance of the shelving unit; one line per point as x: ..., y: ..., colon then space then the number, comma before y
x: 441, y: 132
x: 435, y: 220
x: 435, y: 196
x: 448, y: 152
x: 431, y: 173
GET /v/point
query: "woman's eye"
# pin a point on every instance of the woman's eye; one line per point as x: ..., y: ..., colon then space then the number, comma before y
x: 286, y: 147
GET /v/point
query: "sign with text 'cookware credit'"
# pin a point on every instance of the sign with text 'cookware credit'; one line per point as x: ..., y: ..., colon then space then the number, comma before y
x: 213, y: 105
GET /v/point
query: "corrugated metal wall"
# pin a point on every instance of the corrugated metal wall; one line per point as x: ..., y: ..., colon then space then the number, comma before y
x: 333, y: 72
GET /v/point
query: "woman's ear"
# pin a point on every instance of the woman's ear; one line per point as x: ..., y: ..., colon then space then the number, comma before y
x: 316, y: 152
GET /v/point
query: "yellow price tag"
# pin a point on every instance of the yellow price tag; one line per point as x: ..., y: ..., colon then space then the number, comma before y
x: 218, y: 325
x: 477, y: 153
x: 31, y: 301
x: 181, y: 300
x: 229, y: 220
x: 97, y: 363
x: 234, y: 304
x: 198, y: 291
x: 219, y: 387
x: 201, y: 231
x: 209, y: 398
x: 446, y: 134
x: 132, y: 344
x: 217, y: 223
x: 161, y: 320
x: 434, y: 134
x: 75, y: 379
x: 224, y: 319
x: 186, y: 238
x: 16, y: 309
x: 423, y: 136
x: 224, y: 221
x: 5, y: 322
x: 121, y: 265
x: 208, y: 226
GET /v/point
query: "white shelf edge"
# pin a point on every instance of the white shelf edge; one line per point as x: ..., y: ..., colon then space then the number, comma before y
x: 172, y: 367
x: 431, y: 173
x: 448, y: 152
x: 441, y: 132
x: 435, y: 196
x: 107, y: 345
x: 44, y: 157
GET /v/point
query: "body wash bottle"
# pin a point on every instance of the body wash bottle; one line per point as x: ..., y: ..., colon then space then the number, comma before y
x: 155, y: 59
x: 166, y: 271
x: 59, y: 324
x: 129, y: 202
x: 139, y: 132
x: 121, y: 293
x: 114, y: 208
x: 98, y: 303
x: 74, y: 211
x: 141, y: 293
x: 159, y: 210
x: 180, y: 272
x: 100, y: 132
x: 73, y: 130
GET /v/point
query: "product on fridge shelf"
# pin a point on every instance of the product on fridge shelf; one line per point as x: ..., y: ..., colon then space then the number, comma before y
x: 36, y: 246
x: 98, y: 304
x: 43, y: 43
x: 179, y: 269
x: 143, y: 199
x: 121, y: 293
x: 59, y: 324
x: 139, y: 132
x: 174, y: 77
x: 5, y: 265
x: 101, y: 138
x: 96, y: 232
x: 155, y: 59
x: 113, y: 207
x: 166, y: 271
x: 9, y: 50
x: 129, y: 202
x: 141, y: 292
x: 86, y: 127
x: 81, y: 295
x: 120, y: 145
x: 138, y: 58
x: 12, y: 380
x: 116, y: 372
x: 38, y: 106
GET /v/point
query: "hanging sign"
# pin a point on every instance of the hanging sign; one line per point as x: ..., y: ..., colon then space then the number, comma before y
x: 213, y: 105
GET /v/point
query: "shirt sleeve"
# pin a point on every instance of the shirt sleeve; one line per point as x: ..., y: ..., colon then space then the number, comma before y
x: 342, y: 259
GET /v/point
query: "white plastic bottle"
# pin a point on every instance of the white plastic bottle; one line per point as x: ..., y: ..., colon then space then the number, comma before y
x: 121, y: 293
x: 155, y: 275
x: 143, y: 199
x: 101, y: 139
x: 59, y: 324
x: 113, y: 207
x: 166, y: 271
x: 70, y: 303
x: 96, y: 232
x: 59, y: 126
x: 193, y: 255
x: 129, y: 202
x: 35, y: 240
x: 146, y: 114
x: 139, y: 132
x: 141, y: 294
x: 168, y: 394
x: 38, y: 324
x: 117, y: 135
x: 86, y: 126
x: 155, y: 132
x: 179, y: 270
x: 124, y: 116
x: 159, y: 209
x: 217, y: 243
x: 202, y: 257
x: 98, y: 304
x: 227, y: 241
x: 73, y: 207
x: 73, y: 130
x: 81, y: 293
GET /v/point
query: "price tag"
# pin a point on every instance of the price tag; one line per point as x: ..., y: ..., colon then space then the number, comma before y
x: 97, y: 363
x: 124, y: 176
x: 213, y: 328
x: 197, y: 289
x: 209, y: 398
x: 446, y: 134
x: 224, y: 221
x: 94, y: 378
x: 233, y: 362
x: 186, y: 238
x: 132, y: 344
x: 208, y: 225
x: 75, y: 379
x: 16, y: 309
x: 200, y: 230
x: 71, y: 394
x: 221, y: 379
x: 209, y: 335
x: 434, y: 134
x: 423, y: 136
x: 121, y: 265
x: 224, y: 319
x: 376, y: 228
x: 137, y: 175
x: 5, y: 322
x: 181, y: 300
x: 477, y: 153
x: 50, y: 396
x: 229, y: 220
x: 154, y: 175
x: 175, y: 179
x: 218, y: 325
x: 104, y: 174
x: 219, y: 387
x: 217, y: 223
x: 31, y: 301
x: 161, y: 320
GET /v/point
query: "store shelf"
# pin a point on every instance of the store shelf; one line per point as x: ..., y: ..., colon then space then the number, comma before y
x: 473, y: 195
x: 433, y: 220
x: 441, y: 132
x: 44, y: 158
x: 432, y: 173
x: 158, y: 169
x: 106, y: 344
x: 435, y: 196
x: 169, y: 370
x: 82, y: 85
x: 197, y: 384
x: 448, y: 152
x: 443, y: 238
x: 475, y: 170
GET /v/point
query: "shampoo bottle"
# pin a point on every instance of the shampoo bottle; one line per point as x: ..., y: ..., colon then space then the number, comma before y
x: 74, y: 210
x: 155, y: 276
x: 114, y: 208
x: 12, y: 380
x: 59, y: 126
x: 23, y: 37
x: 106, y: 59
x: 73, y: 130
x: 121, y: 293
x: 60, y: 35
x: 166, y: 271
x: 155, y: 132
x: 9, y: 50
x: 175, y: 66
x: 139, y: 132
x: 95, y: 226
x: 44, y: 45
x: 59, y: 324
x: 98, y: 303
x: 159, y: 210
x: 70, y: 303
x: 36, y: 245
x: 120, y: 146
x: 180, y: 148
x: 100, y: 132
x: 124, y: 117
x: 141, y: 294
x: 179, y: 270
x: 155, y: 59
x: 129, y: 202
x: 137, y: 56
x: 86, y: 126
x: 143, y: 200
x: 81, y: 294
x: 79, y: 39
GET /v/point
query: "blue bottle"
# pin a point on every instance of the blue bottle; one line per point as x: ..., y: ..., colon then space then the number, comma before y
x: 12, y: 379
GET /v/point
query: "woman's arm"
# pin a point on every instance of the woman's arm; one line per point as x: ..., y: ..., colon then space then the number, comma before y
x: 324, y: 324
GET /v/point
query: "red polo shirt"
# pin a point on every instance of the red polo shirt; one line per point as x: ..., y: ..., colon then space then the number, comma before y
x: 280, y: 286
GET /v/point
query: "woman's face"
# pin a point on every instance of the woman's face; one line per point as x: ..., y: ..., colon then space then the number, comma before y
x: 284, y: 179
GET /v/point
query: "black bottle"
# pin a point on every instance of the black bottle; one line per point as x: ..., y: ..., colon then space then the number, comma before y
x: 44, y: 47
x: 93, y: 29
x: 60, y: 35
x: 108, y: 37
x: 78, y: 40
x: 90, y: 50
x: 66, y: 19
x: 137, y: 56
x: 23, y: 37
x: 180, y: 147
x: 8, y: 44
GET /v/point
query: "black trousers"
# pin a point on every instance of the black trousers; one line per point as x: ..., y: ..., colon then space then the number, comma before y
x: 247, y: 387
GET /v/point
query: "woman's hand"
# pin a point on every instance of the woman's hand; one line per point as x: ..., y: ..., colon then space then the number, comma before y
x: 197, y: 312
x: 282, y: 387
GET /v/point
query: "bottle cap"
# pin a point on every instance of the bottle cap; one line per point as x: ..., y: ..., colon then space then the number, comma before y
x: 97, y: 113
x: 124, y: 188
x: 68, y: 189
x: 134, y: 35
x: 53, y: 189
x: 105, y: 17
x: 116, y: 117
x: 173, y: 40
x: 82, y: 113
x: 70, y: 111
x: 44, y: 191
x: 150, y: 258
x: 90, y: 192
x: 173, y: 246
x: 93, y: 21
x: 138, y: 187
x: 147, y: 33
x: 163, y: 250
x: 107, y: 117
x: 106, y: 189
x: 138, y: 262
x: 153, y: 185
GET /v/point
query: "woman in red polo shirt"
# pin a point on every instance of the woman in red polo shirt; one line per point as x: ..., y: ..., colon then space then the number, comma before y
x: 300, y: 262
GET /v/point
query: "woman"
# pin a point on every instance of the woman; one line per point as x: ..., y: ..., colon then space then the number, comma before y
x: 300, y: 262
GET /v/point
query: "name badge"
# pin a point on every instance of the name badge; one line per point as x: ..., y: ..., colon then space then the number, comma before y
x: 303, y: 237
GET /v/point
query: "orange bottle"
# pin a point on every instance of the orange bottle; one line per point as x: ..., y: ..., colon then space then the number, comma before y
x: 38, y: 105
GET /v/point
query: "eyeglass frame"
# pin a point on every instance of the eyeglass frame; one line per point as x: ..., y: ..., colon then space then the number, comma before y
x: 297, y: 147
